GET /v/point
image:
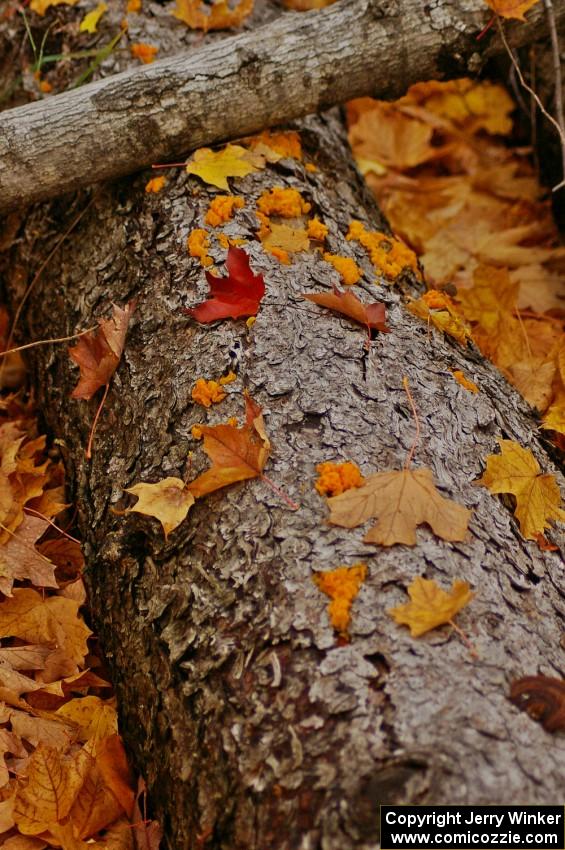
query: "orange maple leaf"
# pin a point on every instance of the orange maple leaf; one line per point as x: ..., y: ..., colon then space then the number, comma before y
x: 98, y: 353
x: 236, y: 453
x: 511, y: 8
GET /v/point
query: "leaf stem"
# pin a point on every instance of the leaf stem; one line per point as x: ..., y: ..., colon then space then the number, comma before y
x: 280, y: 493
x: 410, y: 455
x: 473, y: 652
x: 95, y: 423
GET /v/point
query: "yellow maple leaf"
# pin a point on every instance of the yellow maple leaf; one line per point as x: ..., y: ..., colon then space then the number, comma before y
x: 214, y: 167
x: 91, y: 19
x: 430, y: 606
x: 490, y: 300
x: 511, y: 8
x: 168, y: 501
x: 400, y: 500
x: 516, y: 471
x: 446, y: 319
x: 46, y: 795
x: 470, y: 105
x: 290, y: 239
x: 29, y: 616
x: 41, y: 6
x: 218, y: 17
x: 96, y: 718
x: 554, y: 419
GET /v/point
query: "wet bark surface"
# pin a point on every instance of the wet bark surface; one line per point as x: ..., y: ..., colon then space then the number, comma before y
x: 254, y: 726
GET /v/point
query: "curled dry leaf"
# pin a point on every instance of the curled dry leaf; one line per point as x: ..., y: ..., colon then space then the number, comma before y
x: 98, y: 353
x: 168, y: 500
x: 238, y: 294
x: 400, y: 500
x: 430, y: 606
x: 543, y: 697
x: 516, y: 471
x: 373, y: 315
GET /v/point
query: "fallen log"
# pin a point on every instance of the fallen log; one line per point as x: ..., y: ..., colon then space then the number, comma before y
x: 294, y: 66
x: 254, y: 727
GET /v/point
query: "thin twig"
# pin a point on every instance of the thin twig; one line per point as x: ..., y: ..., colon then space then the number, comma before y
x: 47, y: 341
x: 38, y: 274
x: 558, y: 79
x: 530, y: 90
x: 280, y: 493
x: 29, y: 510
x: 473, y: 652
x: 410, y: 455
x: 95, y: 423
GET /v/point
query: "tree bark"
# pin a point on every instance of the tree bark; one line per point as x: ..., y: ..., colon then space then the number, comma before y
x: 254, y: 727
x: 296, y: 65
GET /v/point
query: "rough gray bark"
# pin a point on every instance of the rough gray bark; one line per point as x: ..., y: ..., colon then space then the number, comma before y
x: 296, y: 65
x: 254, y: 728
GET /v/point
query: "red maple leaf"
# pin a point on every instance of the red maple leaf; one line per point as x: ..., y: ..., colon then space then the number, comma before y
x: 238, y: 294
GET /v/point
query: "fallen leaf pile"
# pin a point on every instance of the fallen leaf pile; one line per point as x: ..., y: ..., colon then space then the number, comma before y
x: 471, y: 208
x: 64, y: 776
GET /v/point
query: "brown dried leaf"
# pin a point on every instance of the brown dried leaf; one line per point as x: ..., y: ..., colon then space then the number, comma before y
x: 346, y: 303
x: 543, y: 697
x: 19, y: 559
x: 400, y: 500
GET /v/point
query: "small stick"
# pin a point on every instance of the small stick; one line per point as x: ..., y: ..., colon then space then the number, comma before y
x: 47, y: 341
x: 280, y: 493
x: 170, y: 165
x: 410, y: 455
x: 465, y: 639
x: 558, y: 77
x: 39, y: 272
x: 533, y: 94
x: 39, y: 514
x: 95, y: 423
